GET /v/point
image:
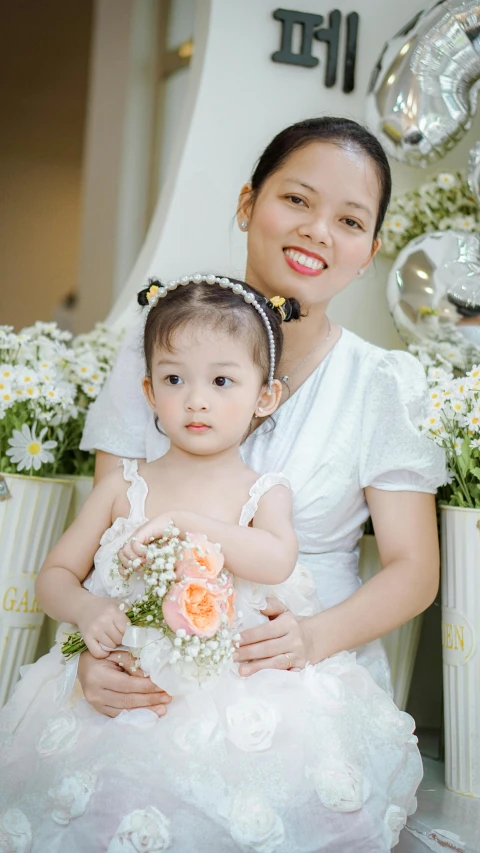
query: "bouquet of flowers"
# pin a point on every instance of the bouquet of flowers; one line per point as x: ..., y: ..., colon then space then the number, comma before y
x: 453, y: 422
x: 440, y: 204
x: 47, y: 383
x: 181, y: 607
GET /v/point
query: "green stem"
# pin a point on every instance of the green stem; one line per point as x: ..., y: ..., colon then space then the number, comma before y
x: 463, y: 485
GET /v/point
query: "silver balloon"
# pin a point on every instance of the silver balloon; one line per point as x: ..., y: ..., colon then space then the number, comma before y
x: 463, y: 275
x: 423, y: 92
x: 474, y: 171
x: 422, y: 280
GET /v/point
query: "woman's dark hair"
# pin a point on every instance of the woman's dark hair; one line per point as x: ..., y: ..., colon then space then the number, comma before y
x: 339, y: 131
x: 214, y: 307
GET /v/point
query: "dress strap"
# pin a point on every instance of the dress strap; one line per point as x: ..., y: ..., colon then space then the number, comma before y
x: 257, y: 491
x: 138, y: 491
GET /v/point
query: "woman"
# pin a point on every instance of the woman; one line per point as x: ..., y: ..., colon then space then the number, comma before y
x: 344, y: 434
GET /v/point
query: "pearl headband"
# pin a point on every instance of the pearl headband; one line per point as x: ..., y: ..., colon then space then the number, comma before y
x: 155, y: 293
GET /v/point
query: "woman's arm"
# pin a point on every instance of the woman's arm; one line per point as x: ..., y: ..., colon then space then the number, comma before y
x: 406, y: 532
x: 265, y: 553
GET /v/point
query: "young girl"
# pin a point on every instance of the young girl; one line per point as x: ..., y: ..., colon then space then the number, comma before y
x: 311, y: 760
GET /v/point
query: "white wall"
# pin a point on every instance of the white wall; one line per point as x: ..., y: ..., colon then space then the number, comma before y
x: 116, y: 170
x: 238, y: 99
x: 181, y: 27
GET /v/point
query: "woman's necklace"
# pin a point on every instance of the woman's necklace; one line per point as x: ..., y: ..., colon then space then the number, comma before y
x: 285, y: 379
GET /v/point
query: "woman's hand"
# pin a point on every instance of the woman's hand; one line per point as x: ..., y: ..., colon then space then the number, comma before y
x: 280, y: 643
x: 111, y: 685
x: 132, y: 553
x: 101, y: 624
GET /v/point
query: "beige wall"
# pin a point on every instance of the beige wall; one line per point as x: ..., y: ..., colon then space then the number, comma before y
x: 44, y: 56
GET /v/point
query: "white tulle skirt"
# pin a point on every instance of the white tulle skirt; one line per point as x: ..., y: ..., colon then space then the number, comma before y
x: 318, y: 760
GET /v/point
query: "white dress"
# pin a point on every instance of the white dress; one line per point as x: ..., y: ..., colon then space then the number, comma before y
x: 304, y: 762
x: 317, y: 760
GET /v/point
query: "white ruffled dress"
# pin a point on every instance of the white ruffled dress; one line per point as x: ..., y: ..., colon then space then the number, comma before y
x: 317, y: 760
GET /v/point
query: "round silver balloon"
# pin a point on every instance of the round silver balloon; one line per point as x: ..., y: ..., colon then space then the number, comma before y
x: 422, y: 93
x: 423, y: 284
x: 463, y: 275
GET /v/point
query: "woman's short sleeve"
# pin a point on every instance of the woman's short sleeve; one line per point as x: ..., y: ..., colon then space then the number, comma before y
x: 394, y: 454
x: 117, y: 420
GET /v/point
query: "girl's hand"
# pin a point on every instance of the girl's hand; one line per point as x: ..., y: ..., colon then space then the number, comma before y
x: 132, y: 553
x: 102, y: 625
x: 280, y: 643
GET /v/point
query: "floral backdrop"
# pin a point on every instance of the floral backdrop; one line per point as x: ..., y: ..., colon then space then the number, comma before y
x: 440, y: 204
x: 48, y: 379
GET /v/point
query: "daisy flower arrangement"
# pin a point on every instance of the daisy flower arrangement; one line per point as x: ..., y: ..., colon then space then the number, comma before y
x: 440, y: 204
x: 447, y: 349
x: 47, y: 382
x: 180, y: 601
x: 453, y: 422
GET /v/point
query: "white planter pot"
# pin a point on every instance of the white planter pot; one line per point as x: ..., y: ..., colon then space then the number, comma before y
x: 400, y: 645
x: 460, y: 640
x: 82, y: 486
x: 32, y: 519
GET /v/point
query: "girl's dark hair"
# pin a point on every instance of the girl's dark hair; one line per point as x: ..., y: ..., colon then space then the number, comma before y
x: 339, y: 131
x: 209, y: 305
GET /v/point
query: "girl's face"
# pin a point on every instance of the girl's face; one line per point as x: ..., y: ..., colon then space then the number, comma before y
x: 206, y: 391
x: 311, y: 227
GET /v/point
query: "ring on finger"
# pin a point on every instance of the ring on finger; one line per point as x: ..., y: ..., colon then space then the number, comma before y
x: 290, y: 664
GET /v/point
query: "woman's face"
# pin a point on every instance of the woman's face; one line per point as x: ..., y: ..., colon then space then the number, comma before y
x: 311, y: 227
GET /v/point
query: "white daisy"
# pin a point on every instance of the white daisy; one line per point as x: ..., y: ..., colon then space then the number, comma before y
x: 7, y: 398
x: 458, y: 406
x: 473, y: 421
x: 464, y: 223
x: 91, y: 390
x: 28, y: 451
x: 26, y: 376
x: 445, y: 180
x: 432, y: 422
x: 398, y: 223
x: 32, y: 391
x: 7, y: 372
x: 51, y: 393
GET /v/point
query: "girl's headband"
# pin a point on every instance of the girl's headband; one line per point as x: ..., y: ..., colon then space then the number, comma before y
x: 156, y: 292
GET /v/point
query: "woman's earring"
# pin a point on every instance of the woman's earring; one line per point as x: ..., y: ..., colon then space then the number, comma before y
x: 244, y: 225
x: 360, y: 272
x: 259, y: 410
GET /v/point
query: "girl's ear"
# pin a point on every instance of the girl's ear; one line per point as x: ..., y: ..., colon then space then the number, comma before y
x: 269, y: 401
x: 244, y: 206
x: 148, y: 391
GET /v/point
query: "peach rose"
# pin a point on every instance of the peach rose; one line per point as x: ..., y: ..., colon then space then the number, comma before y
x: 204, y: 560
x: 194, y: 605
